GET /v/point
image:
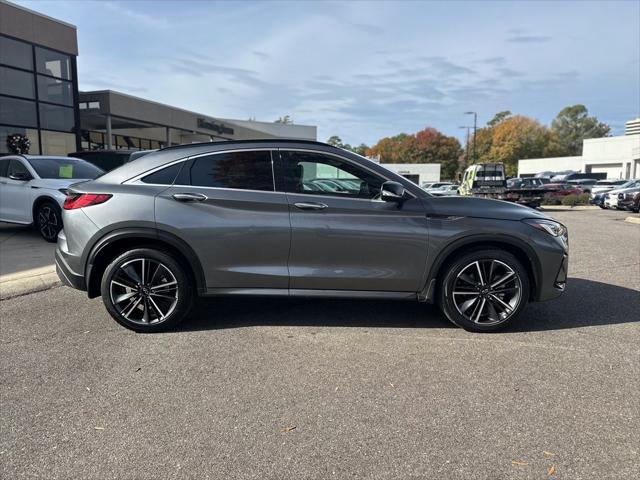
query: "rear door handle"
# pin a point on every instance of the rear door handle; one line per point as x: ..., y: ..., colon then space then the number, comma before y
x: 310, y: 206
x: 189, y: 197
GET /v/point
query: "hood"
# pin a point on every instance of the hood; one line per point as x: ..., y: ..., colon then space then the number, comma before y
x: 622, y: 190
x: 55, y: 183
x: 481, y: 208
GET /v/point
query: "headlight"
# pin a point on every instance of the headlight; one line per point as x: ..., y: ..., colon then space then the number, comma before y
x: 554, y: 229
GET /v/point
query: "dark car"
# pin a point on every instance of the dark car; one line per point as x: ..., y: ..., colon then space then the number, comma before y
x: 235, y: 218
x: 107, y: 160
x: 627, y: 199
x: 561, y: 189
x: 635, y: 205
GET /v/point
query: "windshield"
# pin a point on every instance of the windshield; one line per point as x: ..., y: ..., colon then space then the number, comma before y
x: 64, y: 168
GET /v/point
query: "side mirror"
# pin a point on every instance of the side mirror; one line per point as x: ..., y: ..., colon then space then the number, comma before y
x: 20, y: 176
x: 392, y: 192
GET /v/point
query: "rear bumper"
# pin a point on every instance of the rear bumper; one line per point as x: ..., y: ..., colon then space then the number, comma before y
x: 66, y: 275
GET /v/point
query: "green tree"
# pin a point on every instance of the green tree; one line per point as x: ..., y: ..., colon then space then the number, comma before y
x: 573, y: 124
x: 335, y: 140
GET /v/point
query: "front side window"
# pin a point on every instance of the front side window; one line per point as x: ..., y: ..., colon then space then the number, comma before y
x: 320, y: 174
x: 17, y: 167
x: 63, y: 168
x: 248, y: 170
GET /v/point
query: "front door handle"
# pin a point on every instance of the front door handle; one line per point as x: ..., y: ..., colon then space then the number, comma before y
x: 189, y: 197
x: 310, y: 206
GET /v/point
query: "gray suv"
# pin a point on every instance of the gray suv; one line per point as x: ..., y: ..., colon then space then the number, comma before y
x: 244, y: 218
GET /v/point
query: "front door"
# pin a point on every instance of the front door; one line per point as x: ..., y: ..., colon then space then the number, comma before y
x: 224, y: 206
x: 342, y: 236
x: 15, y: 194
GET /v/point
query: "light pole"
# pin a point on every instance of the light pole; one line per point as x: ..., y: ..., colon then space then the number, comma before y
x: 475, y: 130
x: 466, y: 154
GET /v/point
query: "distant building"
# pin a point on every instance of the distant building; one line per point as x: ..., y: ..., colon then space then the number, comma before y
x: 418, y: 173
x: 632, y: 127
x: 618, y: 157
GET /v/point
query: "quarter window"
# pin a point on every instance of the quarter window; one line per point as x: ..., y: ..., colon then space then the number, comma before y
x: 319, y: 174
x: 166, y: 176
x: 250, y: 170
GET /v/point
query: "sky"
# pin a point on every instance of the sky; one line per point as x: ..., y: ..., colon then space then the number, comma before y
x: 364, y: 70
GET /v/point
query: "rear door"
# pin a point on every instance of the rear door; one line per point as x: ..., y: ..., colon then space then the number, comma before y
x: 225, y: 207
x: 349, y: 240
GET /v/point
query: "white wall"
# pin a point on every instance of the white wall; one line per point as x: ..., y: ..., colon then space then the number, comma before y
x: 618, y: 157
x: 427, y: 172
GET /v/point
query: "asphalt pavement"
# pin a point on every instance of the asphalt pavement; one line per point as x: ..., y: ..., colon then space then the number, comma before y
x: 292, y: 389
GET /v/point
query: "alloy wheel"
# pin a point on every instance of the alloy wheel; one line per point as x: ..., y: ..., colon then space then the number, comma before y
x: 48, y: 222
x: 144, y: 291
x: 487, y: 292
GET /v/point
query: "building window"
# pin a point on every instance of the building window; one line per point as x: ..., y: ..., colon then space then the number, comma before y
x: 54, y: 117
x: 16, y: 83
x: 52, y: 63
x: 57, y: 143
x: 16, y: 53
x: 18, y: 112
x: 54, y: 90
x: 30, y: 133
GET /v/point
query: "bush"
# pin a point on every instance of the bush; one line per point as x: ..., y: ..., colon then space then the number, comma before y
x: 583, y: 198
x: 550, y: 200
x: 571, y: 200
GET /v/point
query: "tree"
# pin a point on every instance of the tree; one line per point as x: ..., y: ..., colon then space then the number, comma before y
x: 498, y: 117
x: 287, y: 120
x: 335, y: 140
x: 573, y: 124
x: 516, y: 138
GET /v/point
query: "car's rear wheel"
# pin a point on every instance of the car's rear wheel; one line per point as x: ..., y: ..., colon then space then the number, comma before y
x: 146, y: 290
x: 484, y: 290
x: 49, y: 221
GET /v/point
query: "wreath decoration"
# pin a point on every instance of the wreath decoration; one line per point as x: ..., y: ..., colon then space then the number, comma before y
x: 18, y: 143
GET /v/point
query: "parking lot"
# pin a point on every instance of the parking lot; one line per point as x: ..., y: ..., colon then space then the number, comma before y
x: 334, y: 389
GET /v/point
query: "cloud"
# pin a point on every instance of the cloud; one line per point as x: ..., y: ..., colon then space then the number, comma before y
x: 139, y: 18
x: 528, y: 39
x: 445, y: 66
x: 261, y: 55
x: 493, y: 60
x: 508, y: 72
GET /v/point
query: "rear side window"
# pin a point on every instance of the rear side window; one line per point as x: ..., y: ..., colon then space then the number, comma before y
x: 250, y: 170
x: 164, y: 176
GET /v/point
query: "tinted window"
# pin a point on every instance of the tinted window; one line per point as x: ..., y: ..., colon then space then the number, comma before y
x: 166, y: 176
x: 16, y: 83
x: 319, y: 174
x: 4, y: 164
x: 16, y: 166
x: 53, y: 63
x: 15, y: 53
x: 62, y: 168
x: 53, y: 117
x: 241, y: 170
x: 18, y: 112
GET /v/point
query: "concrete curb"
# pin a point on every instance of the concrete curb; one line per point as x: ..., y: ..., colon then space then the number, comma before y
x: 633, y: 220
x: 28, y: 281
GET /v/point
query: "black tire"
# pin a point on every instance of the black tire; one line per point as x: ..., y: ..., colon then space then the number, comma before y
x: 170, y: 280
x: 48, y: 221
x: 494, y: 265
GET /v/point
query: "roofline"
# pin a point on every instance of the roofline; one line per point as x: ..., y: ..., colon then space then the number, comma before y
x: 33, y: 12
x: 252, y: 142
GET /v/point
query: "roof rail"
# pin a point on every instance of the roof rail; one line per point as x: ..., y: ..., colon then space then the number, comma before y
x: 236, y: 142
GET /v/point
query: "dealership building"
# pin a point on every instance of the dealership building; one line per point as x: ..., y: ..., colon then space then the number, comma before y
x: 617, y: 157
x: 41, y: 101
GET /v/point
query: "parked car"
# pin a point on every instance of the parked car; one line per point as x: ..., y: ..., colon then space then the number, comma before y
x: 434, y: 185
x: 233, y: 218
x: 561, y: 189
x: 107, y: 160
x: 601, y: 187
x: 33, y: 189
x: 444, y: 191
x: 584, y: 184
x: 626, y: 199
x: 612, y: 196
x: 635, y: 206
x: 527, y: 182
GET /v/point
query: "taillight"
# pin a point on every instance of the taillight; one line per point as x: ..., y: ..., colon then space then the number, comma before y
x: 80, y: 200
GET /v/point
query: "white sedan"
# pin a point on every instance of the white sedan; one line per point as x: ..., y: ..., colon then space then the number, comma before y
x: 33, y: 189
x: 445, y: 191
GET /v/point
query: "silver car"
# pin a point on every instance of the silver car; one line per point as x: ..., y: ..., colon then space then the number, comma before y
x: 235, y: 218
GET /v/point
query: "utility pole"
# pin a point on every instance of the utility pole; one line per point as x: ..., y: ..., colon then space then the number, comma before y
x: 475, y: 130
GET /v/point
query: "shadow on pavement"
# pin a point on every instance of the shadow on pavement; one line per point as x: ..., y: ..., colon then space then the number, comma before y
x: 584, y: 303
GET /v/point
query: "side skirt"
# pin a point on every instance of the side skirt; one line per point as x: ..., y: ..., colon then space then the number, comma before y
x: 283, y: 292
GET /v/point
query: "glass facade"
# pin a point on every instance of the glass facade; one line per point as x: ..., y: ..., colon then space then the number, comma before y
x: 94, y: 140
x: 38, y: 87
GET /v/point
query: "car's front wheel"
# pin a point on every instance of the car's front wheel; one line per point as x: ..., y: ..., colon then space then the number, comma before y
x: 484, y: 290
x: 49, y: 221
x: 146, y: 290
